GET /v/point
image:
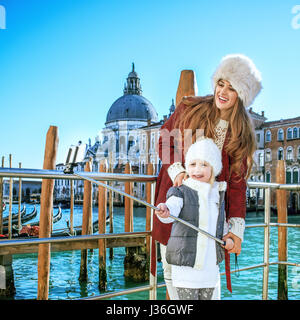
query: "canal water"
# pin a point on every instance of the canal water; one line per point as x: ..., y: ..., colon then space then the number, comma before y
x: 65, y: 266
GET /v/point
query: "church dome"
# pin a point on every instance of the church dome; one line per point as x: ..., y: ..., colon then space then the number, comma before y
x: 131, y: 107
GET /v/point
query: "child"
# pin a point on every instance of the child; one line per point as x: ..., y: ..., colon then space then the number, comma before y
x: 199, y: 200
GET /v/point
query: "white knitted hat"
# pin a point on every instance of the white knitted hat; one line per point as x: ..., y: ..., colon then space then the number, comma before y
x: 242, y: 74
x: 205, y: 149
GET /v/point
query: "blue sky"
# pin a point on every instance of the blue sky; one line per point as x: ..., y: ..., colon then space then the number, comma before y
x: 65, y: 62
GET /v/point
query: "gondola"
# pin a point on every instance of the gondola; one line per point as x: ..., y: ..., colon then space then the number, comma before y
x: 14, y: 216
x: 77, y: 230
x: 24, y: 218
x: 56, y: 218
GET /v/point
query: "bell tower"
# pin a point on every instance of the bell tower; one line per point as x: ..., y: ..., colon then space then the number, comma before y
x: 133, y: 85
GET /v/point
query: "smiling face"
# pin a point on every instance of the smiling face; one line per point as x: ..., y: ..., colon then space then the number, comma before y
x: 199, y: 170
x: 225, y: 96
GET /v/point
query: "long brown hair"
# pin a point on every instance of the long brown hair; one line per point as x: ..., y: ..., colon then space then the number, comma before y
x: 205, y: 115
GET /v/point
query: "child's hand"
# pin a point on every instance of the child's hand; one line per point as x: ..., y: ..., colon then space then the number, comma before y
x: 163, y: 212
x: 179, y: 179
x: 229, y: 244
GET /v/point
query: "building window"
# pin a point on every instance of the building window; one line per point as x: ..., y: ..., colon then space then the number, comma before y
x: 257, y: 137
x: 295, y: 175
x: 261, y: 159
x: 268, y: 136
x: 289, y: 153
x: 298, y: 155
x: 288, y: 176
x: 289, y: 133
x: 280, y: 154
x: 268, y: 155
x: 295, y: 133
x: 268, y: 176
x: 152, y: 141
x: 280, y: 135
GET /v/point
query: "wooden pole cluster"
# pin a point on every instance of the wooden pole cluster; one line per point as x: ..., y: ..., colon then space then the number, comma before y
x: 86, y: 221
x: 102, y: 209
x: 281, y: 196
x: 46, y: 208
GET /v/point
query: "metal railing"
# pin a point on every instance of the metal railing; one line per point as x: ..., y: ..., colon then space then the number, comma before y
x: 153, y: 286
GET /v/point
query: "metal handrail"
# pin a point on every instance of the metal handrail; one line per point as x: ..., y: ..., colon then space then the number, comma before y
x: 54, y: 174
x: 57, y: 174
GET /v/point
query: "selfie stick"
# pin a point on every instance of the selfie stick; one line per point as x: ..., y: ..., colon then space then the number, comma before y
x: 69, y: 170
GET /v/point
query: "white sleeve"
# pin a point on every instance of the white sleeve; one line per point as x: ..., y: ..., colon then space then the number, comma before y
x: 174, y: 205
x: 237, y: 227
x: 174, y: 169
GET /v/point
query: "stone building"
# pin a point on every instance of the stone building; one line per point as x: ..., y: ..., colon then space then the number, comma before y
x: 255, y: 196
x: 282, y: 142
x: 31, y: 190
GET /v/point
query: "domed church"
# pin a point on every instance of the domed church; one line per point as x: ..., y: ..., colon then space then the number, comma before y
x: 121, y: 137
x: 130, y: 135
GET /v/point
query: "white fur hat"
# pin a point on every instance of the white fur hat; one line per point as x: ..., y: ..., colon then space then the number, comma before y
x: 242, y: 74
x: 205, y: 149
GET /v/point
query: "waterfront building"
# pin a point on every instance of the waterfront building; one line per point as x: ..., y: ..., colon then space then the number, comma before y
x: 31, y: 190
x: 255, y: 196
x: 282, y: 142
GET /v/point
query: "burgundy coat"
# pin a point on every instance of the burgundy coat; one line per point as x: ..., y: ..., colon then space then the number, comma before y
x: 235, y: 197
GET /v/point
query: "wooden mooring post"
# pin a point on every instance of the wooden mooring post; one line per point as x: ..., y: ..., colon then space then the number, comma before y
x: 10, y: 201
x: 149, y: 199
x: 102, y: 209
x: 86, y: 221
x: 187, y: 85
x: 281, y: 196
x: 111, y: 204
x: 128, y: 203
x: 72, y: 207
x: 19, y: 200
x: 46, y: 208
x: 136, y: 262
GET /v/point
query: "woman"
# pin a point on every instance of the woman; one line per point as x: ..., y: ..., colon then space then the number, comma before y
x: 223, y: 118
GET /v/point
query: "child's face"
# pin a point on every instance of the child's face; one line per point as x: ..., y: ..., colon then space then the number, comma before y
x: 199, y: 170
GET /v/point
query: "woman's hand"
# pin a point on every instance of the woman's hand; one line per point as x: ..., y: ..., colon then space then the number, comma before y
x: 237, y: 243
x: 179, y: 178
x: 163, y: 211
